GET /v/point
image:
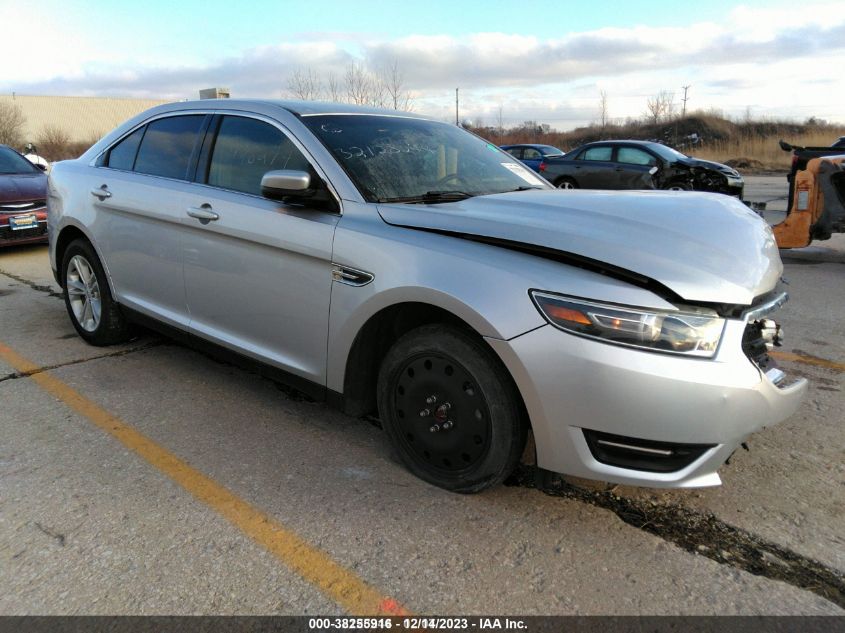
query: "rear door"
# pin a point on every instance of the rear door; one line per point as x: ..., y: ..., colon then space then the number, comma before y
x: 532, y: 157
x: 140, y: 189
x: 257, y: 275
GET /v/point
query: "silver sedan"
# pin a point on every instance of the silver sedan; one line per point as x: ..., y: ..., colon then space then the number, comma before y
x: 392, y: 264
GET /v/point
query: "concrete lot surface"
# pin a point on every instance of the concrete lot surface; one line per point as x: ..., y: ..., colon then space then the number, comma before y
x: 151, y: 479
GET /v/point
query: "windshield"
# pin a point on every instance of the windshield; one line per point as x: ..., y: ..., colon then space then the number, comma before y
x: 406, y: 160
x: 13, y: 163
x: 666, y: 153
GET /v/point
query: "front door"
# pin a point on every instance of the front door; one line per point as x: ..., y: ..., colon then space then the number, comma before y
x: 257, y: 271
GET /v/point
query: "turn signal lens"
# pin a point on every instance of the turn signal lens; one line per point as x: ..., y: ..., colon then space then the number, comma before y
x: 661, y: 331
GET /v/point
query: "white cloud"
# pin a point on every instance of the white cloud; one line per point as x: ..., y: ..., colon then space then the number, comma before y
x: 786, y: 61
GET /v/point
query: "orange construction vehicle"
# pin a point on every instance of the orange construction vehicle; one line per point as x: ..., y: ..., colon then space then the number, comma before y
x: 816, y: 207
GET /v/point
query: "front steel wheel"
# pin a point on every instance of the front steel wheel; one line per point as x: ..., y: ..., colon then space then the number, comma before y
x: 450, y: 410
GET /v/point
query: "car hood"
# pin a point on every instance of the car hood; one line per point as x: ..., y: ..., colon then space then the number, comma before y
x: 709, y: 164
x: 704, y: 247
x: 22, y: 187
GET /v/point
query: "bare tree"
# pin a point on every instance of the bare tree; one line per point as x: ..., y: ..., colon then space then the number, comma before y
x: 603, y: 117
x: 357, y: 83
x: 398, y: 96
x: 335, y: 93
x: 364, y: 88
x: 53, y: 142
x: 12, y: 122
x: 661, y: 106
x: 305, y: 84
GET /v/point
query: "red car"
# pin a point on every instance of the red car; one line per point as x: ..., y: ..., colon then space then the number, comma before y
x: 23, y: 200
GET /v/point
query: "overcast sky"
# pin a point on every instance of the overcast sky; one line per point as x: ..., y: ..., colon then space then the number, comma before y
x: 544, y: 61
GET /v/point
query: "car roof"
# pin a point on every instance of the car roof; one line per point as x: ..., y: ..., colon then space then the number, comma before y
x: 623, y: 140
x: 534, y: 145
x: 300, y: 108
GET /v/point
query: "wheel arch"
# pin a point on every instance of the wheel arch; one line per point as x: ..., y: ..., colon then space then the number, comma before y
x: 67, y: 234
x: 378, y: 334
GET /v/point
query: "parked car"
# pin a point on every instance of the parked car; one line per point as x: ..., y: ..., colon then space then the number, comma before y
x: 639, y: 165
x: 404, y: 266
x: 23, y: 200
x: 30, y: 152
x: 532, y: 155
x: 840, y: 142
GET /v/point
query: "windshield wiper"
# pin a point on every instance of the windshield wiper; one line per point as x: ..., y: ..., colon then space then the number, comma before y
x: 432, y: 197
x: 524, y: 188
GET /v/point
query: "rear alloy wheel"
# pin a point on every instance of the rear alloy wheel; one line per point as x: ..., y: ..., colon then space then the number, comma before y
x: 93, y: 312
x: 566, y: 183
x: 450, y: 410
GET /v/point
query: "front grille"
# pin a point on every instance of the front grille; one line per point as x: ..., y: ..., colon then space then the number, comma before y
x: 638, y: 454
x: 22, y: 207
x: 8, y: 234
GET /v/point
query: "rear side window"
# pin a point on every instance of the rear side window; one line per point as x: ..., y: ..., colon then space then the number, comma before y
x: 597, y: 153
x: 167, y: 146
x: 247, y: 149
x: 531, y: 153
x: 122, y: 155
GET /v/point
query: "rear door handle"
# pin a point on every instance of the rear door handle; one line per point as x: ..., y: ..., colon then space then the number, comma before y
x: 102, y: 193
x: 204, y: 213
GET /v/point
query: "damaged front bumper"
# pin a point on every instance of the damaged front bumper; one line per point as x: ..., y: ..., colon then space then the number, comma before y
x: 628, y: 416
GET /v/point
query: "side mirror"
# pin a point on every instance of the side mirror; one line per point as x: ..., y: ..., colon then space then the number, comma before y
x: 282, y: 183
x: 654, y: 170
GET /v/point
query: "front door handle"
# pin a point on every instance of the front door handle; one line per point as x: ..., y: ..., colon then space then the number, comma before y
x: 102, y: 193
x: 204, y: 213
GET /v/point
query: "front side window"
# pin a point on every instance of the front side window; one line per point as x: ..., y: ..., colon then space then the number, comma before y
x: 167, y: 146
x: 597, y: 153
x: 398, y: 159
x: 634, y: 156
x: 246, y: 149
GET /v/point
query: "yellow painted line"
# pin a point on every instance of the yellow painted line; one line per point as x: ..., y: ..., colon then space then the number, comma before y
x: 312, y: 564
x: 808, y: 360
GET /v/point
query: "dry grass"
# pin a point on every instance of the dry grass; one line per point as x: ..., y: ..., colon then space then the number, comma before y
x: 764, y: 150
x: 750, y: 145
x: 54, y: 143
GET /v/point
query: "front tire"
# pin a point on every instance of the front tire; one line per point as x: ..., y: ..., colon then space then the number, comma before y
x: 450, y: 409
x: 94, y: 314
x: 678, y: 186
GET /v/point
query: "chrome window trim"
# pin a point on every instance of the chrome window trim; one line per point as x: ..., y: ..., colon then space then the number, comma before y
x: 162, y: 115
x: 224, y: 112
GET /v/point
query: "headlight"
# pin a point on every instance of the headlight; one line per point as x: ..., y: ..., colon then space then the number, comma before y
x: 674, y: 332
